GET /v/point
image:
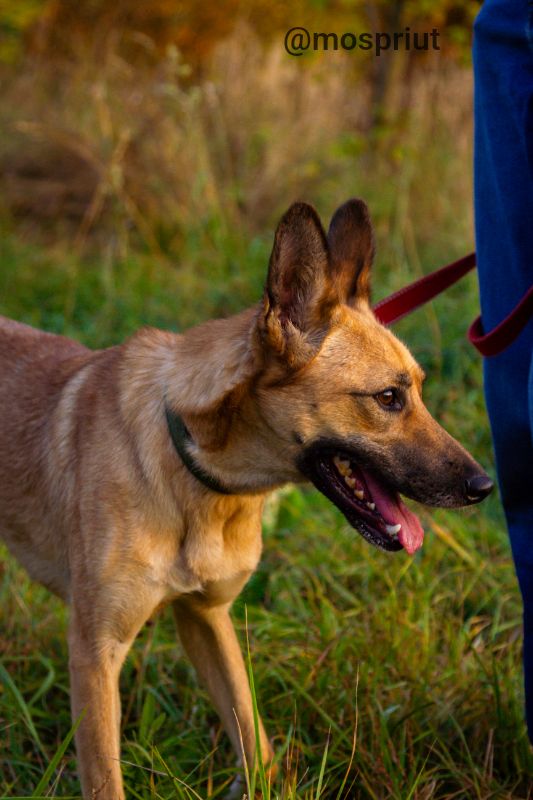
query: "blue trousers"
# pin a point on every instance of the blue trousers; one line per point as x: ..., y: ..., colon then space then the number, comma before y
x: 503, y: 179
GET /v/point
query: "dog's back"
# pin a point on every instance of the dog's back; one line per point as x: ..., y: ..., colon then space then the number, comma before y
x: 34, y: 370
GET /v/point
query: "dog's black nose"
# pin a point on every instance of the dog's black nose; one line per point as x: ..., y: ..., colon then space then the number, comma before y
x: 478, y: 487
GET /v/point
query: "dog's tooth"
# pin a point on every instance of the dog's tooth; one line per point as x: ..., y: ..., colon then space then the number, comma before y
x: 342, y: 465
x: 371, y: 506
x: 392, y: 530
x: 359, y: 494
x: 349, y: 481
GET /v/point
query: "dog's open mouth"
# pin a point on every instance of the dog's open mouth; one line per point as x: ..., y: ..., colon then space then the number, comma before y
x: 373, y: 508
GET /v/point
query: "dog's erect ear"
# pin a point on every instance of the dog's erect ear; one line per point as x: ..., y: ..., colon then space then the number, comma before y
x: 351, y: 249
x: 298, y: 282
x: 298, y: 264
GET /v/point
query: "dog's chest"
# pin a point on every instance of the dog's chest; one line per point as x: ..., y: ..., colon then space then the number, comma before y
x: 213, y: 553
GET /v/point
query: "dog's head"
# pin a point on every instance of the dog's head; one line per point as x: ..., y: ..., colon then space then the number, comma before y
x: 337, y: 398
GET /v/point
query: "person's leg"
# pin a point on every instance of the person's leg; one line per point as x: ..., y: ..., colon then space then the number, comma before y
x: 503, y: 71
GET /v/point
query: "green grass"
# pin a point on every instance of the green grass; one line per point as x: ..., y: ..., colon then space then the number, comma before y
x: 378, y: 676
x: 417, y: 660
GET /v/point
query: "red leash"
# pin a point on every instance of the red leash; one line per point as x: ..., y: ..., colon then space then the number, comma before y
x: 405, y: 300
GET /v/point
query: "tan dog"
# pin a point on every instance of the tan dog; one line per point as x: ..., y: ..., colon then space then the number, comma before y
x: 135, y: 476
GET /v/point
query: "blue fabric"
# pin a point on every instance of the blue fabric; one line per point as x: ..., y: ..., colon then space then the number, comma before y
x: 503, y: 173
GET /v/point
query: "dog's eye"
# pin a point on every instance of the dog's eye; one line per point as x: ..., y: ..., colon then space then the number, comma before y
x: 390, y: 400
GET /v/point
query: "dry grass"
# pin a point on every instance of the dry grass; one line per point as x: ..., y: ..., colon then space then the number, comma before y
x: 156, y: 156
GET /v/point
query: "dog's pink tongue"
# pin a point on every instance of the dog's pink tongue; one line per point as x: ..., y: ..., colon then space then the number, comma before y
x: 394, y: 511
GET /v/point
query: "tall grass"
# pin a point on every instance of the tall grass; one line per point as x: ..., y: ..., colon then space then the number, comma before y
x: 156, y: 158
x: 378, y: 676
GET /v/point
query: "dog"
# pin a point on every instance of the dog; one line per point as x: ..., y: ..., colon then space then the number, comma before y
x: 135, y: 476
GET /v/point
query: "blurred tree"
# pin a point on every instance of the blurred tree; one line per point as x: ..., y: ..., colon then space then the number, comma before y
x: 15, y: 19
x: 452, y: 18
x: 139, y: 31
x: 143, y: 30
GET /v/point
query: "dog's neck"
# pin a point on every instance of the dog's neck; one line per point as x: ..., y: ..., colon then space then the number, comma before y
x: 181, y: 439
x: 202, y: 377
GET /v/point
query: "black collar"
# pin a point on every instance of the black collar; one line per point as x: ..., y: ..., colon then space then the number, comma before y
x: 182, y: 438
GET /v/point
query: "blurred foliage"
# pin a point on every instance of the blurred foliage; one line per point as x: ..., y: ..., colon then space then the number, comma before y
x: 143, y: 31
x: 16, y: 19
x: 144, y: 118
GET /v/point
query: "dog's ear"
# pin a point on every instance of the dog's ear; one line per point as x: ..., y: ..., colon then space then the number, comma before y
x: 351, y: 249
x: 298, y: 283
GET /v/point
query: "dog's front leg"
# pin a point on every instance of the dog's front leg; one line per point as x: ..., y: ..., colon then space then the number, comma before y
x: 209, y: 638
x: 95, y: 664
